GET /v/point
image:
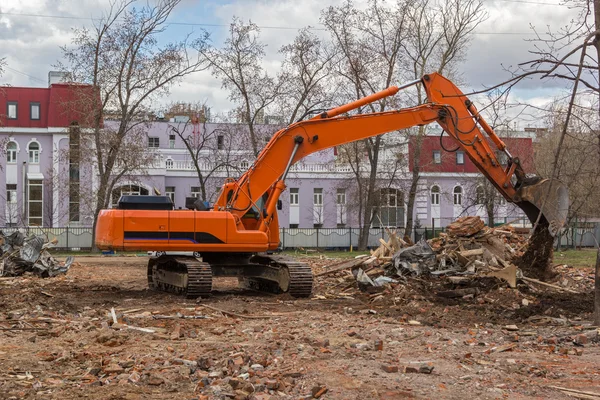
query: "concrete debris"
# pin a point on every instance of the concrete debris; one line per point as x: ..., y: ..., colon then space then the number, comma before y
x: 20, y: 255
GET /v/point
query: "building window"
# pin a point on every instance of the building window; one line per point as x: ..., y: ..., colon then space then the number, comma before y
x: 341, y: 196
x: 457, y: 195
x: 74, y: 157
x: 460, y: 157
x: 34, y: 152
x: 390, y: 208
x: 34, y: 110
x: 220, y: 142
x: 171, y: 141
x: 153, y: 142
x: 11, y: 110
x: 170, y: 191
x: 318, y: 197
x: 479, y: 195
x: 244, y: 165
x: 195, y: 191
x: 437, y: 157
x: 294, y: 195
x: 35, y: 201
x: 293, y: 226
x: 11, y: 152
x: 11, y: 193
x: 435, y: 195
x: 169, y: 163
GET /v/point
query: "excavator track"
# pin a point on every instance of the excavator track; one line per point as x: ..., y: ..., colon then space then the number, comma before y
x: 180, y: 275
x: 298, y: 275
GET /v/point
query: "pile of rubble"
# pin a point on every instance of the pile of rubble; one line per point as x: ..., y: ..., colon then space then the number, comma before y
x: 20, y: 255
x: 467, y: 248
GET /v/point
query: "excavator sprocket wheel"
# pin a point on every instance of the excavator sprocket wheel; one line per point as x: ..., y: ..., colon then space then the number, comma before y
x: 298, y: 276
x: 180, y: 275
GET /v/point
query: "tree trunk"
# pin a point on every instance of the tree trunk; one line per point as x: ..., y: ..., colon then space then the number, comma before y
x: 412, y: 194
x: 363, y: 239
x: 490, y: 212
x: 597, y: 291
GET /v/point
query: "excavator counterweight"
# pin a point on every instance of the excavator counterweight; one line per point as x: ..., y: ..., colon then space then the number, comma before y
x: 233, y: 236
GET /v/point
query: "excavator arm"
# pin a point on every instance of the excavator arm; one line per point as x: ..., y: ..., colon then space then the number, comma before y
x: 261, y: 186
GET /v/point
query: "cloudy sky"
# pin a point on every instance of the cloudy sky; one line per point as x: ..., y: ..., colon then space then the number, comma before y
x: 32, y: 31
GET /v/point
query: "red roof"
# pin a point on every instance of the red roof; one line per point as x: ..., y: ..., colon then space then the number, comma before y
x: 518, y: 147
x: 60, y: 105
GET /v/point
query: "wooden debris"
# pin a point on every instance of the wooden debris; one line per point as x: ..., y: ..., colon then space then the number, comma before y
x: 466, y: 226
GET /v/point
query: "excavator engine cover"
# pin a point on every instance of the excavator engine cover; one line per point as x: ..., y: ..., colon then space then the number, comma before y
x: 548, y: 196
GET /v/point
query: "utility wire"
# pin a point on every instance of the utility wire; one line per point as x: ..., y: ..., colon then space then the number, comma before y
x: 23, y: 73
x: 259, y: 26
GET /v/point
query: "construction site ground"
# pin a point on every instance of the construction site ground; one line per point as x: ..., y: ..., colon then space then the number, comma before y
x: 58, y: 339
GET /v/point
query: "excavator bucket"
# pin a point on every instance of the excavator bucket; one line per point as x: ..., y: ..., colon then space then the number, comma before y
x: 548, y: 196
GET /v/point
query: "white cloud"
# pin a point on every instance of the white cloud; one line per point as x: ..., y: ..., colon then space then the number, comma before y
x: 32, y: 44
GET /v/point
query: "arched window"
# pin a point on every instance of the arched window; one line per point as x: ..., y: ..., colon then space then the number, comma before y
x: 479, y: 195
x: 169, y: 163
x: 435, y: 195
x: 11, y: 152
x: 457, y: 195
x: 34, y: 152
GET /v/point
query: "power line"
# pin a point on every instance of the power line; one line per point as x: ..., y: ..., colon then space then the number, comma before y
x: 261, y: 27
x: 23, y: 73
x: 531, y: 2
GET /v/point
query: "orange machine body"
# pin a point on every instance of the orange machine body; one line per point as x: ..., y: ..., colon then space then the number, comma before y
x: 244, y: 217
x: 179, y: 230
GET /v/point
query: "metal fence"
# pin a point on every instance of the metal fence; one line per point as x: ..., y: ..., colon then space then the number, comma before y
x: 80, y: 238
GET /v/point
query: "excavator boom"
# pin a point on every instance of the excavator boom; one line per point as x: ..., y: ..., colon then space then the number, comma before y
x: 244, y: 218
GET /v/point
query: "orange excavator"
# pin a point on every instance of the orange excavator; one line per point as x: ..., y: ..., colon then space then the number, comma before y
x: 234, y: 238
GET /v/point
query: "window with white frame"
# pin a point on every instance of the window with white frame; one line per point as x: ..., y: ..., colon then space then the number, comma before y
x: 460, y: 157
x: 169, y: 163
x: 244, y: 164
x: 34, y: 152
x: 390, y: 208
x: 11, y: 193
x: 34, y: 110
x: 35, y: 197
x: 457, y: 195
x: 318, y: 197
x: 341, y: 196
x: 154, y: 142
x: 170, y: 191
x: 220, y: 142
x: 437, y: 157
x: 11, y: 152
x: 294, y: 196
x: 171, y: 141
x: 11, y: 110
x: 195, y: 191
x: 479, y: 195
x: 435, y: 195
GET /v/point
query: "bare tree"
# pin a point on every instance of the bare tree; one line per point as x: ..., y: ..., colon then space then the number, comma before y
x: 369, y: 42
x: 122, y: 58
x: 439, y: 40
x: 211, y: 150
x: 305, y: 72
x: 239, y: 66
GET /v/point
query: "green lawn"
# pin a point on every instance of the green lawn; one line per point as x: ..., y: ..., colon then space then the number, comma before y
x: 576, y: 258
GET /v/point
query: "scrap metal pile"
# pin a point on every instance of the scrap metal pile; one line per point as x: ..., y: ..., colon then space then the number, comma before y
x: 467, y: 248
x: 20, y: 255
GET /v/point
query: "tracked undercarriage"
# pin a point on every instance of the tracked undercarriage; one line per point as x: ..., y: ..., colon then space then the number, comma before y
x: 192, y: 276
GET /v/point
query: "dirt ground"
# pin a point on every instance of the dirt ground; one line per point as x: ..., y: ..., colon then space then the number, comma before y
x: 58, y: 339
